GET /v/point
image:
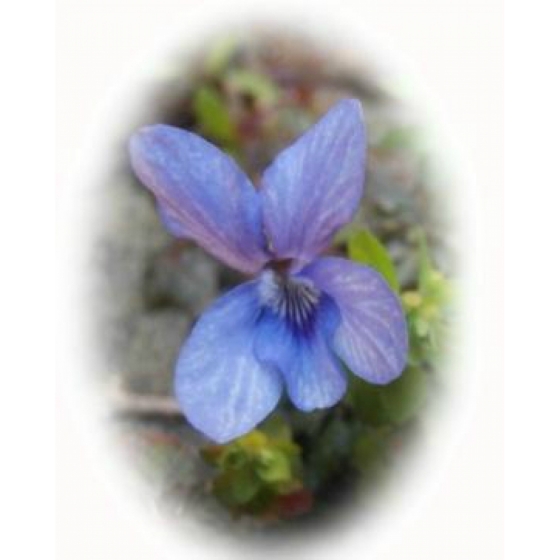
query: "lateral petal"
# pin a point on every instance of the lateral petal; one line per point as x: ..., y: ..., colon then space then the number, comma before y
x: 372, y: 338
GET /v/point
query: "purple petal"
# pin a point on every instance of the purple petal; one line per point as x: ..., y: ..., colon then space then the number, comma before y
x: 201, y: 194
x: 222, y: 388
x: 314, y: 186
x: 313, y: 374
x: 372, y: 339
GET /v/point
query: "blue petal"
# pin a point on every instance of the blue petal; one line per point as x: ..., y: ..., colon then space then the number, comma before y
x: 314, y: 186
x: 201, y: 194
x: 372, y: 339
x: 221, y: 387
x: 313, y: 374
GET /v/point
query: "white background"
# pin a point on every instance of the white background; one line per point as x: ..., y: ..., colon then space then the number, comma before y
x: 452, y: 52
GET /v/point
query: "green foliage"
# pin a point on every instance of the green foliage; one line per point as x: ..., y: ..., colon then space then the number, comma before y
x: 256, y: 470
x: 331, y: 448
x: 381, y: 410
x: 273, y: 466
x: 257, y: 85
x: 365, y: 248
x: 432, y: 284
x: 236, y: 487
x: 369, y: 450
x: 399, y: 138
x: 220, y: 55
x: 392, y: 404
x: 428, y: 310
x: 213, y: 117
x: 404, y: 397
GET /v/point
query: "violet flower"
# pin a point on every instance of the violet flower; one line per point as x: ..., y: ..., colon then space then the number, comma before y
x: 302, y: 316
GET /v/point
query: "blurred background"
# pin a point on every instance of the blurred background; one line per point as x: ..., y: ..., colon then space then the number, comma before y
x: 252, y: 94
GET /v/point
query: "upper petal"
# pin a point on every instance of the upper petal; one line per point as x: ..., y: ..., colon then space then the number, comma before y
x: 201, y: 194
x: 222, y: 388
x: 372, y: 339
x: 313, y: 374
x: 315, y: 185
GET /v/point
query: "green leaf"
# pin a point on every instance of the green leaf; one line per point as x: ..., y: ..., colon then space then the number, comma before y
x: 404, y: 397
x: 258, y: 85
x: 396, y: 403
x: 366, y: 401
x: 365, y: 248
x: 328, y: 452
x: 370, y: 448
x: 233, y: 458
x: 261, y: 502
x: 213, y: 116
x: 424, y: 263
x: 276, y: 428
x: 236, y: 487
x: 212, y: 454
x: 220, y: 55
x: 273, y: 466
x: 399, y: 138
x: 252, y: 442
x: 422, y: 327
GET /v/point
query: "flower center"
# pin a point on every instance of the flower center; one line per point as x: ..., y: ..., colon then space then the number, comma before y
x: 293, y: 299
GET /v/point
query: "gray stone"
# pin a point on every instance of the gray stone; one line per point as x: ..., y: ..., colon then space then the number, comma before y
x: 150, y: 355
x: 186, y: 279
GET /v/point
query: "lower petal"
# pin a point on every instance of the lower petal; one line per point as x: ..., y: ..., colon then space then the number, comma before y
x: 372, y: 339
x: 223, y: 390
x: 313, y: 374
